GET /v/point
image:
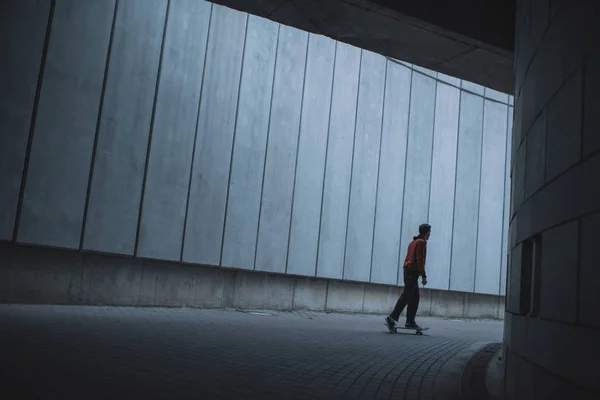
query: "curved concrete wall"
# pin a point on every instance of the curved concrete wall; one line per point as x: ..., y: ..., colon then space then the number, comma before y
x: 186, y: 131
x: 553, y: 301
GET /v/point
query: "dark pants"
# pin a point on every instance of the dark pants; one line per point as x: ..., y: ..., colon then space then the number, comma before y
x: 409, y: 297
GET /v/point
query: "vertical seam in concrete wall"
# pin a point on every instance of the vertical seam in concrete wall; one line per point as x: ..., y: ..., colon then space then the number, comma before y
x: 98, y: 122
x: 82, y: 261
x: 287, y: 253
x: 454, y: 201
x: 523, y: 148
x: 479, y: 191
x: 546, y: 149
x: 140, y: 288
x: 430, y: 299
x: 152, y: 118
x: 326, y: 157
x: 293, y: 293
x: 187, y: 201
x: 352, y: 163
x: 578, y: 274
x: 432, y: 146
x: 33, y: 119
x: 529, y: 62
x: 326, y: 295
x: 364, y: 286
x: 404, y: 178
x: 234, y: 294
x: 262, y: 185
x: 503, y: 240
x: 156, y: 272
x: 237, y: 109
x: 378, y: 169
x: 582, y: 118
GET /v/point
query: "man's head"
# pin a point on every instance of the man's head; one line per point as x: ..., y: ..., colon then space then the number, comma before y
x: 425, y: 231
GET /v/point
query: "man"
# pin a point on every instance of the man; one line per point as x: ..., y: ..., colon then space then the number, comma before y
x: 414, y: 266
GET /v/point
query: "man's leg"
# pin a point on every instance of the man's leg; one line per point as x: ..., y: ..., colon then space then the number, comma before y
x: 410, y: 284
x: 413, y: 306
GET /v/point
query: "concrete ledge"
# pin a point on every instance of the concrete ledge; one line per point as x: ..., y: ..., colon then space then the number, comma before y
x: 35, y: 275
x: 345, y: 296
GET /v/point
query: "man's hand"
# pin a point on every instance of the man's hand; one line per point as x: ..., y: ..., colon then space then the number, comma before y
x: 424, y: 281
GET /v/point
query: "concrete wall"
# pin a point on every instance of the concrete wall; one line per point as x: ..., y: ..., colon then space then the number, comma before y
x: 553, y: 301
x: 59, y: 276
x: 477, y: 45
x: 189, y: 132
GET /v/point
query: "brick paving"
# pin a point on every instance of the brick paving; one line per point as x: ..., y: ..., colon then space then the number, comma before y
x: 52, y: 352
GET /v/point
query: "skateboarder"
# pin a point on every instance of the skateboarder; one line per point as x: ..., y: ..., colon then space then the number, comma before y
x: 414, y: 266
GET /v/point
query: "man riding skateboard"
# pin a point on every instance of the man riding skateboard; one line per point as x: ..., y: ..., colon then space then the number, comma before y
x: 414, y: 266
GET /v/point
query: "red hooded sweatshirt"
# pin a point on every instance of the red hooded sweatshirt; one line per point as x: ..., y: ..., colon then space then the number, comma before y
x: 416, y: 255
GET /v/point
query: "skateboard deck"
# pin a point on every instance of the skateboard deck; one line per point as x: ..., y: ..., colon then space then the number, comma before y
x: 402, y: 328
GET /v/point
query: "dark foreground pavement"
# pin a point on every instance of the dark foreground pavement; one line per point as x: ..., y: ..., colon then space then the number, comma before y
x: 52, y: 352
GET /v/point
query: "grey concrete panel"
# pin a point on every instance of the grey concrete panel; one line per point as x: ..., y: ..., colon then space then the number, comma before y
x: 591, y: 103
x: 506, y: 218
x: 390, y: 190
x: 118, y: 171
x: 473, y: 87
x: 513, y: 293
x: 560, y: 255
x: 466, y: 203
x: 443, y: 174
x: 425, y: 71
x: 239, y: 243
x: 22, y: 41
x: 215, y: 132
x: 481, y: 306
x: 418, y: 160
x: 263, y: 291
x: 563, y: 143
x: 589, y: 275
x: 535, y: 156
x: 365, y: 168
x: 345, y: 296
x: 381, y: 297
x: 278, y: 184
x: 170, y: 157
x: 310, y: 294
x: 336, y: 189
x: 448, y: 303
x: 491, y: 199
x: 518, y: 176
x: 496, y: 95
x: 312, y: 148
x: 36, y: 275
x: 511, y: 100
x: 110, y: 280
x: 61, y: 153
x: 448, y: 79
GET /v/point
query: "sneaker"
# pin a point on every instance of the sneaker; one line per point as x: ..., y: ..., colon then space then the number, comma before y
x: 391, y: 324
x: 412, y: 325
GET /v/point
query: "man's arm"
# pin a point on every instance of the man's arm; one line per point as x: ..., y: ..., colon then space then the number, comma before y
x: 420, y: 255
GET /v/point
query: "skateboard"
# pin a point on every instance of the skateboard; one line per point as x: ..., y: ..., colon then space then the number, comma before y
x: 417, y: 331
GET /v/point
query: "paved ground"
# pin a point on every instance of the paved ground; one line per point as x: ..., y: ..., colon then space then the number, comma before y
x: 54, y: 352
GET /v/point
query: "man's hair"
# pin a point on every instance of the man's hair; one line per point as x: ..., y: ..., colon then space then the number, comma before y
x: 424, y: 229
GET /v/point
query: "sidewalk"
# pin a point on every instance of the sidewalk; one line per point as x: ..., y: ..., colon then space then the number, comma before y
x: 127, y: 353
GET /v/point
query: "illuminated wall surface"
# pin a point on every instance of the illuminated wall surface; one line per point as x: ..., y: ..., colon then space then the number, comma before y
x: 191, y: 132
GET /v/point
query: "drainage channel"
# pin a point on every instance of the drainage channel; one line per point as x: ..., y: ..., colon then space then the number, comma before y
x: 473, y: 380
